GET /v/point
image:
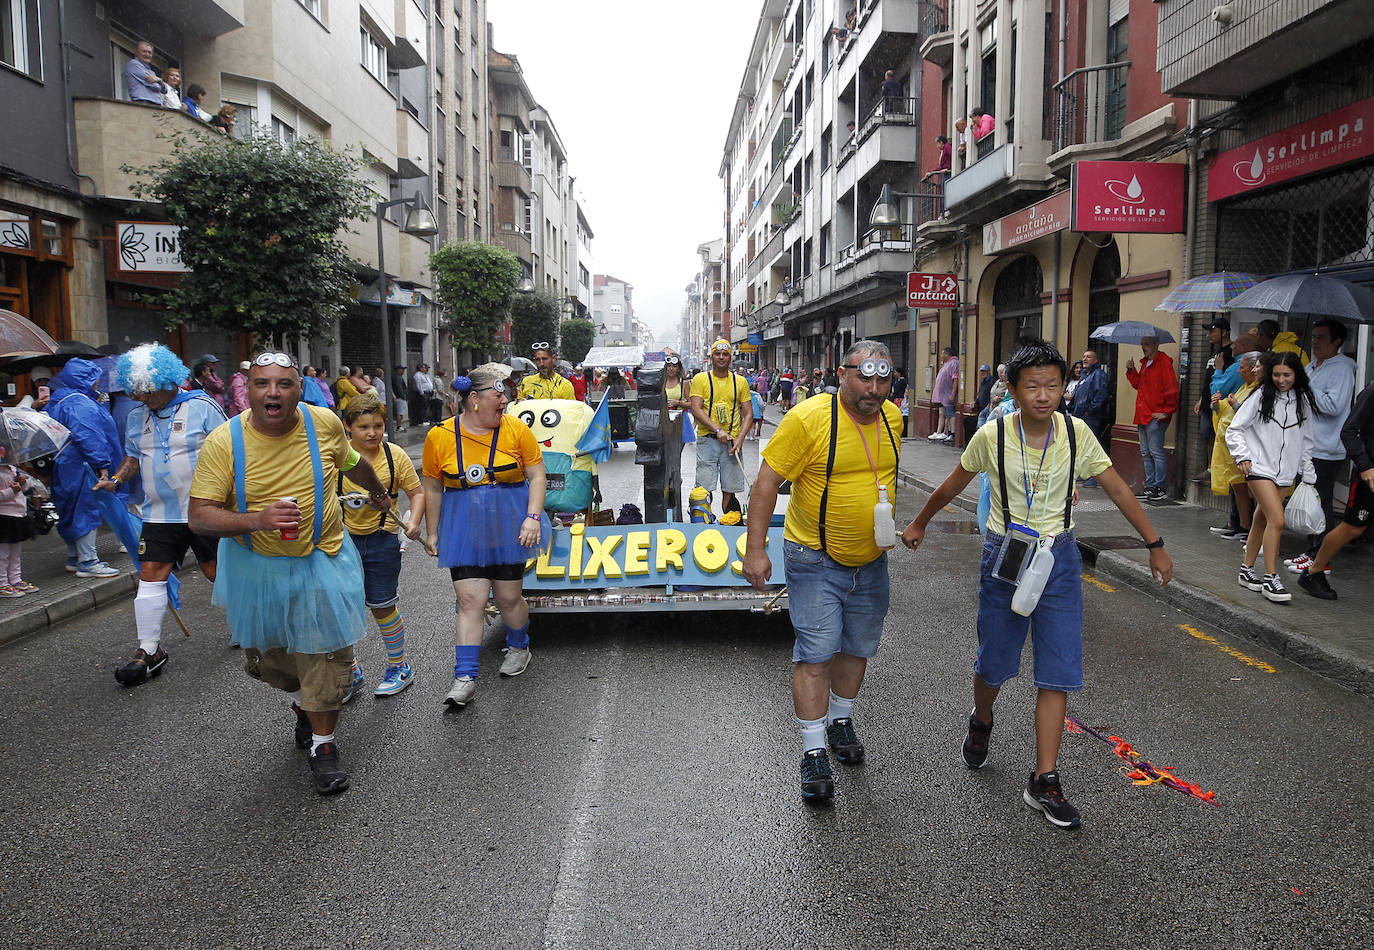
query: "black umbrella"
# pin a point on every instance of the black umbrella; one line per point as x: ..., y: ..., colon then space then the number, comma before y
x: 1310, y: 294
x: 66, y: 350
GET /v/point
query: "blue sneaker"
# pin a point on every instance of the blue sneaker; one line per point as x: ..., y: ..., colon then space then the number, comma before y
x: 394, y: 680
x: 358, y: 678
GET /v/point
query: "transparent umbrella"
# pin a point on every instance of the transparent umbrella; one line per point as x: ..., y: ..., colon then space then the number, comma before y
x: 27, y: 434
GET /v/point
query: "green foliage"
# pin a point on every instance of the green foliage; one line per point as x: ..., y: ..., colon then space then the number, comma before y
x: 534, y: 319
x: 578, y: 335
x: 474, y: 282
x: 260, y: 224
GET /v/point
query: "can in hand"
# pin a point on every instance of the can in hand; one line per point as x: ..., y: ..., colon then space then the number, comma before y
x: 290, y: 534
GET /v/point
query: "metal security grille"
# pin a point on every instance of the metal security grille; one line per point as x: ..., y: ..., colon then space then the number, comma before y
x: 1323, y: 221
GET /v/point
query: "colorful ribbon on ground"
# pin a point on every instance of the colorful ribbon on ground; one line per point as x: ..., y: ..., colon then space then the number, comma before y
x: 1142, y: 771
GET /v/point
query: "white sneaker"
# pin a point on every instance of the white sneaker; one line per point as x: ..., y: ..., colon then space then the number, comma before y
x: 99, y: 569
x: 515, y: 662
x: 1274, y: 590
x: 464, y: 688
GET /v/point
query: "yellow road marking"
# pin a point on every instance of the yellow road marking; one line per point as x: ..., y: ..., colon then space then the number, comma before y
x: 1099, y: 584
x: 1229, y: 651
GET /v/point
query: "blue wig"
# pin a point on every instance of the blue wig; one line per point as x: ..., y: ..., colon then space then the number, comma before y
x: 149, y: 368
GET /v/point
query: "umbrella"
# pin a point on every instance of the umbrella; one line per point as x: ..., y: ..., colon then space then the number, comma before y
x: 18, y: 335
x: 27, y: 434
x: 56, y: 358
x: 1207, y: 294
x: 1130, y: 331
x: 1310, y: 294
x: 521, y: 364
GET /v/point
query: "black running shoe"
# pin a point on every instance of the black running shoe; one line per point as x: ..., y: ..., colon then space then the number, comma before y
x: 303, y: 730
x: 817, y: 781
x: 1045, y: 795
x: 142, y: 667
x: 976, y: 742
x: 1317, y: 585
x: 845, y: 741
x: 324, y: 764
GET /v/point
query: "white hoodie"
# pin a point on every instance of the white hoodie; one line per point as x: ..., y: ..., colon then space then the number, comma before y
x: 1280, y: 448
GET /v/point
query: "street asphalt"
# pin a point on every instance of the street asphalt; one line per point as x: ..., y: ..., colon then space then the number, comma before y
x: 637, y: 787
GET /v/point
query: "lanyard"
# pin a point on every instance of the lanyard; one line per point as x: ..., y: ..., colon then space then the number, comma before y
x: 491, y: 459
x: 1026, y: 483
x: 871, y: 464
x: 734, y: 393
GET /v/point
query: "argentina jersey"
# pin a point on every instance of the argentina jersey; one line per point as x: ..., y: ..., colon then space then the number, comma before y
x: 167, y: 444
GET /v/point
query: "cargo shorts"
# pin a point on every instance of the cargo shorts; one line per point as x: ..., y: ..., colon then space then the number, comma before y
x: 322, y: 678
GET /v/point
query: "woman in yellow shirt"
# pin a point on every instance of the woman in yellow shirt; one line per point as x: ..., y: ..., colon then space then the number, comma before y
x: 484, y: 474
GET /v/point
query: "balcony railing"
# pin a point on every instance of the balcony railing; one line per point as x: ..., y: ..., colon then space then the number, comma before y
x: 930, y: 199
x: 934, y: 16
x: 888, y: 110
x: 1090, y: 105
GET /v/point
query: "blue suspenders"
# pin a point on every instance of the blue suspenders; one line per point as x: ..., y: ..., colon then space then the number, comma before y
x: 316, y: 466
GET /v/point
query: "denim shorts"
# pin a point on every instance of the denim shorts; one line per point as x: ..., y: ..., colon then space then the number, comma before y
x: 835, y: 609
x: 949, y: 409
x: 715, y: 461
x: 1056, y: 625
x: 381, y: 555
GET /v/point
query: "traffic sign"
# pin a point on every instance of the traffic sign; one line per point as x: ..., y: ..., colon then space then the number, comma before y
x: 932, y: 291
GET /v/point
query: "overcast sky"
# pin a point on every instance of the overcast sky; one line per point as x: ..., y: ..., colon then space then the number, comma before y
x: 641, y: 93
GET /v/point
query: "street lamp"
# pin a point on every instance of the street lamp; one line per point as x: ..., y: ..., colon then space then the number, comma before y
x: 885, y: 213
x: 526, y: 286
x: 419, y: 222
x: 783, y: 298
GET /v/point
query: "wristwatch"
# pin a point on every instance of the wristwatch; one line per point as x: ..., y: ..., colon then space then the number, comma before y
x: 530, y: 517
x: 1156, y: 543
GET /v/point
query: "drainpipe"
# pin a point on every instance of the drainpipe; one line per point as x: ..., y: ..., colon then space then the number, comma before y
x: 68, y: 108
x: 1059, y: 235
x: 1183, y: 433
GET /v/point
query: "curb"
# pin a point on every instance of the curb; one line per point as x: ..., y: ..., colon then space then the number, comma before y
x: 1311, y: 654
x: 67, y: 605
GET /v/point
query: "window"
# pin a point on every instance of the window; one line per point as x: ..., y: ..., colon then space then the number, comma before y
x: 806, y: 172
x: 283, y: 133
x: 810, y: 85
x: 19, y: 36
x: 987, y: 86
x: 312, y: 6
x: 825, y: 148
x: 373, y: 55
x: 439, y: 180
x: 825, y: 245
x: 245, y: 122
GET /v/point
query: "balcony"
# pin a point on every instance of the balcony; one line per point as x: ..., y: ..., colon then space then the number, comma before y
x: 938, y: 44
x: 112, y: 133
x: 407, y: 256
x: 512, y: 174
x: 979, y: 177
x: 203, y: 17
x: 1089, y: 119
x: 412, y: 36
x: 888, y: 27
x: 412, y: 146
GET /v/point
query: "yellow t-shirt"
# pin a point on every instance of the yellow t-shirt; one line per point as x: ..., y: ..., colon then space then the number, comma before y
x: 367, y: 520
x: 799, y: 450
x: 1049, y: 484
x: 278, y: 467
x: 718, y: 402
x: 516, y: 450
x: 535, y: 386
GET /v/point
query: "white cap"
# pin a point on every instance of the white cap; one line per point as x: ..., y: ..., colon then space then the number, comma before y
x: 245, y: 366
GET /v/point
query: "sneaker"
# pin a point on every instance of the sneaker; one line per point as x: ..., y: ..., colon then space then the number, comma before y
x: 324, y: 765
x: 304, y: 731
x: 1046, y: 795
x: 1317, y: 585
x: 845, y: 741
x: 976, y: 742
x: 1299, y: 565
x: 141, y: 667
x: 1224, y: 530
x: 27, y: 588
x: 98, y: 569
x: 464, y: 688
x: 395, y: 679
x: 517, y: 658
x: 71, y: 567
x: 1273, y: 589
x: 1144, y: 493
x: 353, y: 687
x: 1157, y: 494
x: 8, y: 591
x: 1233, y: 534
x: 1249, y: 579
x: 817, y: 781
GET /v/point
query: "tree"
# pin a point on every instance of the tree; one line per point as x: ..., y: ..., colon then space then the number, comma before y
x: 534, y: 319
x: 260, y: 222
x: 577, y: 339
x: 474, y: 282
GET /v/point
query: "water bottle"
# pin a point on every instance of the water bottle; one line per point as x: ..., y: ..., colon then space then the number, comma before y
x: 1032, y: 584
x: 884, y: 527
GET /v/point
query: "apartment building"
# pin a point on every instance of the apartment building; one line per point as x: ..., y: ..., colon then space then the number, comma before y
x: 1068, y: 213
x: 812, y: 141
x: 701, y: 322
x: 581, y: 266
x: 461, y: 133
x: 1283, y: 158
x: 351, y: 74
x: 613, y: 312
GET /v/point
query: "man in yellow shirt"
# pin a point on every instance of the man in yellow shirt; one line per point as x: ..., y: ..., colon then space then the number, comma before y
x: 546, y: 384
x: 724, y: 411
x: 289, y: 577
x: 840, y: 452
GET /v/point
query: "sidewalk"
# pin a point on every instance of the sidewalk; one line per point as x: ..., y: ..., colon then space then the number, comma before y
x: 1332, y: 638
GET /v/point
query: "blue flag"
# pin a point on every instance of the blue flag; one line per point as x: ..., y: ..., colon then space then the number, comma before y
x: 597, y: 441
x: 128, y: 529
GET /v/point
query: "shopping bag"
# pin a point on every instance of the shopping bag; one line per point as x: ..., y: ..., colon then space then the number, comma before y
x: 1303, y: 512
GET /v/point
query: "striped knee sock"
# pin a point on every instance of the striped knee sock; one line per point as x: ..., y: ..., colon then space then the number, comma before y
x: 394, y: 636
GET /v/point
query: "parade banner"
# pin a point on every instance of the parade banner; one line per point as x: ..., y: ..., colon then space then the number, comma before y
x: 697, y: 555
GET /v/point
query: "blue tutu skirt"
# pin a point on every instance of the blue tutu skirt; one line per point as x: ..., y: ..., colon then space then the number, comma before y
x: 480, y: 527
x: 310, y: 604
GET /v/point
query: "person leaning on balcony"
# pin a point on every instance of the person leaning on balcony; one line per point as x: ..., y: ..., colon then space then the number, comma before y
x: 171, y: 88
x: 983, y: 123
x: 141, y: 79
x: 224, y: 119
x: 965, y: 134
x: 195, y: 96
x: 941, y: 170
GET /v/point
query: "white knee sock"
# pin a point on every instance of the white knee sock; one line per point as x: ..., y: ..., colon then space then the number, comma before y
x: 150, y: 606
x: 840, y: 708
x: 813, y: 733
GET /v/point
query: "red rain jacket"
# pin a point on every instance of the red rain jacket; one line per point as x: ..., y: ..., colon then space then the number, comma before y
x: 1156, y: 386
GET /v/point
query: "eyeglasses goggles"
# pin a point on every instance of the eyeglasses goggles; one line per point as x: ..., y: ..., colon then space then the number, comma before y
x: 872, y: 367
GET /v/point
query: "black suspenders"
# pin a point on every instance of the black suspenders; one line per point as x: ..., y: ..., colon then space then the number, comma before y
x: 1002, y: 472
x: 830, y: 458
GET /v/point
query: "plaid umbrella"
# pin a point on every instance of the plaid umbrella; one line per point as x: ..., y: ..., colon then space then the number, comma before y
x: 1209, y: 293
